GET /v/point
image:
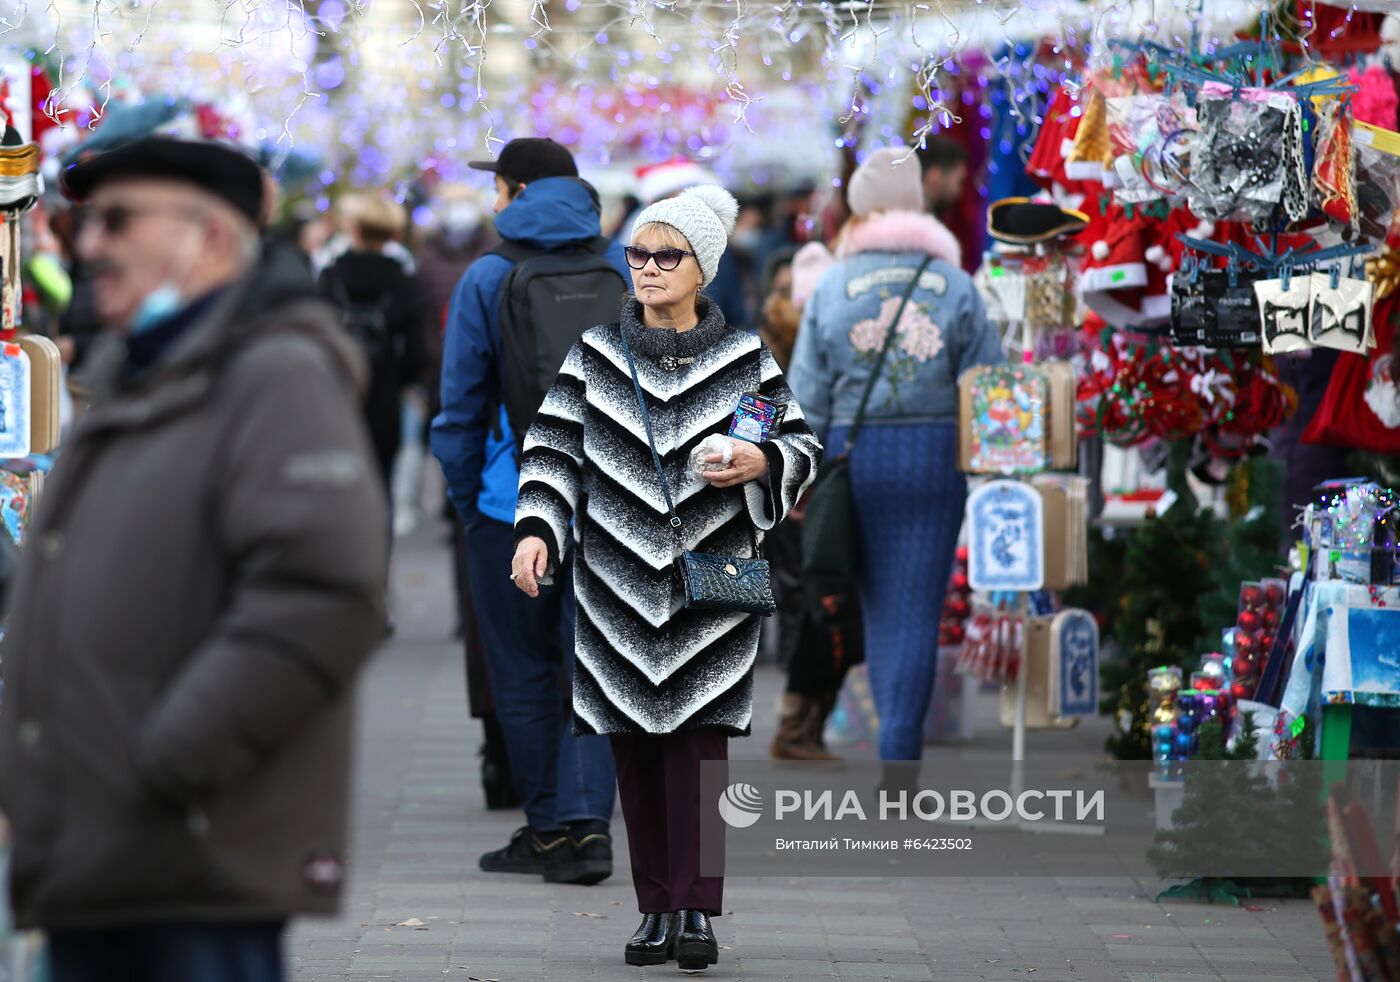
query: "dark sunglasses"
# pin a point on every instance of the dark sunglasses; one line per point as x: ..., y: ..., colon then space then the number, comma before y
x: 666, y: 259
x: 115, y: 219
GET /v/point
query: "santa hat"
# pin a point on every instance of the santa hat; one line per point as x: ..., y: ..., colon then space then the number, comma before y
x: 657, y: 181
x: 1053, y: 143
x: 1126, y: 278
x: 1116, y: 253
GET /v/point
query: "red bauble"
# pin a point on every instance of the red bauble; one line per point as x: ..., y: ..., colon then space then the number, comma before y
x: 959, y: 581
x: 1244, y: 644
x: 1251, y: 597
x: 1275, y: 594
x: 1250, y: 621
x: 962, y: 555
x: 1266, y: 644
x: 959, y: 608
x: 1241, y: 689
x: 1243, y: 666
x: 956, y: 633
x: 1270, y: 619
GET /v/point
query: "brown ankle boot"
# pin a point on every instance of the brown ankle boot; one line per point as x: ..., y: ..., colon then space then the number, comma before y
x: 794, y: 737
x: 791, y: 720
x: 817, y: 715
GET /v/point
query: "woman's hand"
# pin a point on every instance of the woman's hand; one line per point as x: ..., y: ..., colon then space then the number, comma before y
x: 530, y: 563
x: 748, y: 464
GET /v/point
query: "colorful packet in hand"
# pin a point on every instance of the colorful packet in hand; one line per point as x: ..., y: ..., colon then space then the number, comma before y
x: 757, y: 418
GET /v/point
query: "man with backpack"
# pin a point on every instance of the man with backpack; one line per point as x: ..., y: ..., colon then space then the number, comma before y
x: 512, y: 319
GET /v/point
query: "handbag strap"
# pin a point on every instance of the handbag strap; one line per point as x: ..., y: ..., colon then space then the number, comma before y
x: 880, y: 358
x: 656, y: 457
x: 651, y: 441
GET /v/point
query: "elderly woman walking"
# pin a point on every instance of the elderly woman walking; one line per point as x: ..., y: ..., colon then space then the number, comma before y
x: 853, y: 361
x: 669, y: 681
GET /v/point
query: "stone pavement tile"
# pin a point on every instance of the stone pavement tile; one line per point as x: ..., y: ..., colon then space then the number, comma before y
x: 1140, y: 931
x: 978, y: 930
x: 407, y: 937
x: 391, y: 914
x: 770, y: 918
x: 1039, y: 935
x: 891, y: 921
x: 1153, y: 952
x: 499, y: 963
x: 1175, y: 975
x: 323, y: 965
x: 1095, y: 969
x: 780, y: 938
x: 1258, y: 956
x: 880, y: 954
x: 888, y: 943
x: 791, y: 965
x: 882, y: 970
x: 759, y: 968
x: 308, y: 950
x: 1322, y: 967
x: 514, y: 912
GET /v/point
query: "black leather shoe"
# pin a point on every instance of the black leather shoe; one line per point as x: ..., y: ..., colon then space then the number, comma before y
x: 696, y: 947
x: 588, y: 857
x: 651, y: 945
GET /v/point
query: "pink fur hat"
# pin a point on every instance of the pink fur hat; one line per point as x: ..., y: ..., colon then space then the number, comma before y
x: 889, y: 180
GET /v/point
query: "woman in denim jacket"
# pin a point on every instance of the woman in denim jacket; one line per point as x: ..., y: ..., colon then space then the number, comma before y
x: 909, y: 495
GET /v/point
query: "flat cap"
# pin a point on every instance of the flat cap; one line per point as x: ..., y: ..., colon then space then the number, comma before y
x: 212, y: 167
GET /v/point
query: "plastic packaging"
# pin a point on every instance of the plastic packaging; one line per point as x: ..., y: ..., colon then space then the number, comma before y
x: 1248, y: 154
x: 712, y: 444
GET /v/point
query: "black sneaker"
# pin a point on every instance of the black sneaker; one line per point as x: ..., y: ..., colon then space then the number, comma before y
x: 588, y: 859
x: 528, y: 852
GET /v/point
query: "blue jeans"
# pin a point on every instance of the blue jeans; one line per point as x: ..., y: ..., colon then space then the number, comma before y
x: 169, y: 953
x: 529, y: 642
x: 909, y: 499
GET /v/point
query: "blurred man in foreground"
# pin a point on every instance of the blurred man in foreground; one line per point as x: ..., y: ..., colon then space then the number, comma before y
x: 205, y: 575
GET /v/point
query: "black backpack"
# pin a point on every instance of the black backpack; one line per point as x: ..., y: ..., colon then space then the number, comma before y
x: 368, y: 323
x: 548, y: 300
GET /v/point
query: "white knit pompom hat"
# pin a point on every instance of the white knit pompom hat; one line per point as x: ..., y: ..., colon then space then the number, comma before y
x: 705, y: 215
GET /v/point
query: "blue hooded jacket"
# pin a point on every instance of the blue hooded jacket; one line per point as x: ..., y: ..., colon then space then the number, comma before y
x: 480, y: 467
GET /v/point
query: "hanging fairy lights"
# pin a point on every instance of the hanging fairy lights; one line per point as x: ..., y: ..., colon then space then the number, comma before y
x: 397, y: 79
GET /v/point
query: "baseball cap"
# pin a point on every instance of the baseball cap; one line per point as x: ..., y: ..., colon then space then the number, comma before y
x: 529, y: 159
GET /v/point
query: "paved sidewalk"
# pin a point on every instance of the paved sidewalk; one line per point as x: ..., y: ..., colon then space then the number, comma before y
x: 420, y: 823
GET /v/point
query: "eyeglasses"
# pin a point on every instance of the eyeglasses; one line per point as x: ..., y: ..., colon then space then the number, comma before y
x: 115, y: 219
x: 666, y: 259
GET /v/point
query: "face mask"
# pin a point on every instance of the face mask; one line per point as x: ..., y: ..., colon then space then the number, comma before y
x: 166, y: 299
x: 155, y: 307
x: 747, y: 239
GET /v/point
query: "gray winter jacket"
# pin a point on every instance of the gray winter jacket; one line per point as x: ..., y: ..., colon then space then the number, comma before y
x: 204, y: 576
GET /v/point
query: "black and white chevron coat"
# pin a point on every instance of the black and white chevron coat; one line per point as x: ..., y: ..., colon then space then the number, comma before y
x: 645, y: 664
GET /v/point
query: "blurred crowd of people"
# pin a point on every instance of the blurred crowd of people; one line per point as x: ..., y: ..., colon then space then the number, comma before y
x: 155, y: 284
x: 392, y: 269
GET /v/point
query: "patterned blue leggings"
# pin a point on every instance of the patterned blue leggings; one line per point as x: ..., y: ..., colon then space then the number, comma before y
x: 909, y: 499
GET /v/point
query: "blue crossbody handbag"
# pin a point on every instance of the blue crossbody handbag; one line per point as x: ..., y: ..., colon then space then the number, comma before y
x: 711, y: 581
